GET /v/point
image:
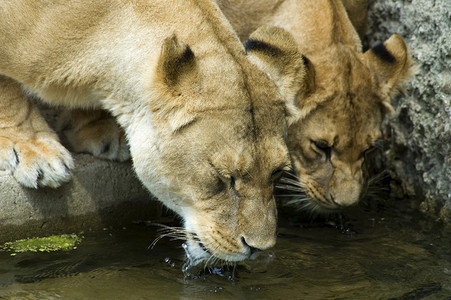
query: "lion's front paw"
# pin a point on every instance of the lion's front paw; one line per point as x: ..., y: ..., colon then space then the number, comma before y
x: 95, y: 132
x: 38, y: 162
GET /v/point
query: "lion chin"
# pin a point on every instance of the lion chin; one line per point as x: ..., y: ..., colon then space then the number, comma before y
x: 344, y: 99
x: 197, y: 254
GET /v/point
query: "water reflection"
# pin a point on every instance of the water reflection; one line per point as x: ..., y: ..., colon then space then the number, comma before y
x: 388, y: 254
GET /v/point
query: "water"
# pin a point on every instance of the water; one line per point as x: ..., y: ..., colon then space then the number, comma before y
x: 388, y: 253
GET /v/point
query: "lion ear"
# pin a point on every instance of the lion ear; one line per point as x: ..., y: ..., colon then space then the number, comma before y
x: 176, y: 65
x: 275, y: 52
x: 176, y: 60
x: 392, y: 65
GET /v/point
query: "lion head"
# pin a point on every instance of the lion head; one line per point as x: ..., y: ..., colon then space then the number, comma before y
x: 212, y: 143
x: 345, y: 95
x: 341, y: 116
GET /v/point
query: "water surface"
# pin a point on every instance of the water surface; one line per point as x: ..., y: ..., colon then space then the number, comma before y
x: 388, y: 253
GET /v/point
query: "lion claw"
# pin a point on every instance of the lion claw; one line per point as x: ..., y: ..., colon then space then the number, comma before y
x: 36, y: 163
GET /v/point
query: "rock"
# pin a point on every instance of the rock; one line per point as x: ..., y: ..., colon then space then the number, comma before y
x: 101, y: 193
x: 421, y: 128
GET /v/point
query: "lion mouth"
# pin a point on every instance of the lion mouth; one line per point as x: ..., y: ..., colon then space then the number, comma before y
x: 196, y: 253
x: 203, y: 247
x: 308, y: 195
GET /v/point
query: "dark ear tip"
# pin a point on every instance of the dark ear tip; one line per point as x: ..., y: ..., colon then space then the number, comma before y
x: 176, y: 50
x: 255, y: 45
x: 305, y: 61
x: 381, y: 51
x: 249, y: 44
x: 187, y: 55
x: 175, y: 59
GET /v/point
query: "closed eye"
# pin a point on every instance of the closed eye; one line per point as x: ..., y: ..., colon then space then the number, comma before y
x: 218, y: 187
x: 232, y: 182
x: 225, y: 183
x: 324, y: 147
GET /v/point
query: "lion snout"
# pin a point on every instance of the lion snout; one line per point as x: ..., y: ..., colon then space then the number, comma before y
x: 260, y: 233
x: 347, y: 193
x: 259, y: 241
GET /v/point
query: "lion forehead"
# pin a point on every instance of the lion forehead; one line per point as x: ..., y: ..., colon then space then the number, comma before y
x: 344, y: 125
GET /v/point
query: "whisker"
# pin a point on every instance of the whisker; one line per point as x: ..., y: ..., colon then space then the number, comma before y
x: 378, y: 177
x: 306, y: 204
x: 163, y: 227
x: 314, y: 209
x: 294, y: 176
x: 155, y: 241
x: 289, y: 185
x: 289, y: 188
x: 299, y: 200
x: 233, y: 270
x: 293, y: 182
x: 171, y: 235
x: 208, y: 260
x: 217, y: 261
x: 302, y: 205
x: 288, y: 195
x: 175, y: 233
x: 378, y: 189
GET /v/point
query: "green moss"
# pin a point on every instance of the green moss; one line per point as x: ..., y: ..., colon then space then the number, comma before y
x: 63, y: 242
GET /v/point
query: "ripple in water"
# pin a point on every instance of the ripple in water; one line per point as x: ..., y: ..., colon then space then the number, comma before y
x: 392, y: 254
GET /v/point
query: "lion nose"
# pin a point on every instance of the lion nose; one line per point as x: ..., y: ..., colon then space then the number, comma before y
x: 348, y: 194
x: 253, y: 249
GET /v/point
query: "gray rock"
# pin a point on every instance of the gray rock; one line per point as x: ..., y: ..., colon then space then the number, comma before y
x: 101, y: 194
x: 421, y: 128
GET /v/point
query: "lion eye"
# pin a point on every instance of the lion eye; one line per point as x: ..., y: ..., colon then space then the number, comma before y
x: 219, y: 187
x: 324, y: 147
x: 232, y: 182
x: 232, y: 186
x: 223, y: 183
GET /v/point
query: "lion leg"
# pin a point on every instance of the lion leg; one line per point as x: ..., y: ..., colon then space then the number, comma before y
x: 95, y: 132
x: 29, y: 148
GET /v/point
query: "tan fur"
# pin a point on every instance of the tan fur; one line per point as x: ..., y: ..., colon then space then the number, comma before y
x: 357, y: 11
x: 206, y: 128
x: 93, y: 131
x: 347, y: 94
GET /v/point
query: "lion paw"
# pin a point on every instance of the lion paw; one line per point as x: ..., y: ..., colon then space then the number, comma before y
x: 95, y: 132
x: 34, y: 163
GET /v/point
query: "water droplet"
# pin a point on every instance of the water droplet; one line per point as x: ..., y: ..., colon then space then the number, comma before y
x: 186, y: 268
x: 169, y: 262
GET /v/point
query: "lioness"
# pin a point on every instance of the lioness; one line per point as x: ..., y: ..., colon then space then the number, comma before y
x: 205, y: 126
x: 346, y: 99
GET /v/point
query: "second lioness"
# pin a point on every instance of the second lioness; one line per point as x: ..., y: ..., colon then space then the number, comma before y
x: 347, y: 95
x: 206, y: 128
